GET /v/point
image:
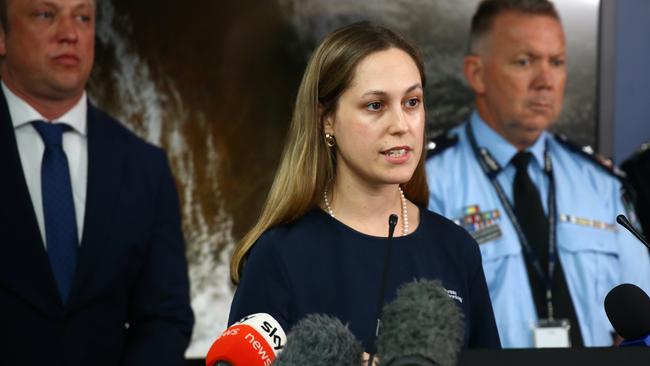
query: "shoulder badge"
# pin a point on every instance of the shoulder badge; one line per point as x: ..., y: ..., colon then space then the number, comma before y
x: 627, y: 193
x: 588, y: 152
x: 441, y: 143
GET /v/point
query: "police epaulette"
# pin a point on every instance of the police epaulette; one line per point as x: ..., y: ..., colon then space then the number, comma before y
x: 588, y: 152
x: 441, y: 143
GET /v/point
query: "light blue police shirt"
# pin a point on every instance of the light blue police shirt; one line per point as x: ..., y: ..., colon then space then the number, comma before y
x: 595, y: 253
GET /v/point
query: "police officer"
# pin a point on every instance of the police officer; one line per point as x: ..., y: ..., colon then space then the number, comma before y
x: 542, y: 211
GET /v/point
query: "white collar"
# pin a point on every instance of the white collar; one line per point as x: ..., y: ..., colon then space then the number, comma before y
x: 22, y: 113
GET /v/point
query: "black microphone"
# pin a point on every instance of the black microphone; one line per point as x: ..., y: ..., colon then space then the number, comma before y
x: 392, y: 222
x: 628, y: 309
x: 623, y: 221
x: 320, y: 340
x: 422, y: 326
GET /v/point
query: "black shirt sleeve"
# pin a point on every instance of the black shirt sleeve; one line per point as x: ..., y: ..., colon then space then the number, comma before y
x: 264, y: 286
x: 483, y: 332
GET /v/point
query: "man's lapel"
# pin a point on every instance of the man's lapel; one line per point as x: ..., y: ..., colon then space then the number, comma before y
x: 24, y: 266
x: 106, y: 157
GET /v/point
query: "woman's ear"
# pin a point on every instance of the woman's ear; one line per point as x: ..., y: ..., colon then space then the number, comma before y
x: 327, y: 121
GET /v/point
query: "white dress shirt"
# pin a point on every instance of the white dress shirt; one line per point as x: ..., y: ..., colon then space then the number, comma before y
x: 31, y: 148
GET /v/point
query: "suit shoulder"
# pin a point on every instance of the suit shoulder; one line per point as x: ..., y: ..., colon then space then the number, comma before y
x: 441, y: 142
x: 114, y: 129
x: 588, y: 154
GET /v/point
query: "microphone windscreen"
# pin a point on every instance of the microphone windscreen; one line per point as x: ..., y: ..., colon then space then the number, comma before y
x: 320, y: 340
x: 421, y: 323
x: 628, y: 309
x: 253, y: 341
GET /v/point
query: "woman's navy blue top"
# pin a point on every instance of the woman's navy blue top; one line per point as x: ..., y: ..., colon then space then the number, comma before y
x: 317, y: 264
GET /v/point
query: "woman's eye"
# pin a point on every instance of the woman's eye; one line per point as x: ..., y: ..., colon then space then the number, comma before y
x: 413, y: 102
x: 374, y: 106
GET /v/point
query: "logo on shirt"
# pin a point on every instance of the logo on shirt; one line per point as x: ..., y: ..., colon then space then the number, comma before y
x: 454, y: 295
x: 483, y: 226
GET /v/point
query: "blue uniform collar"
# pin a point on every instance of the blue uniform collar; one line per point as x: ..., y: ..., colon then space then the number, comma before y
x: 501, y: 150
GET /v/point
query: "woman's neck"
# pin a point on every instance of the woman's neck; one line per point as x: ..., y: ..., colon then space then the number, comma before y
x: 366, y: 209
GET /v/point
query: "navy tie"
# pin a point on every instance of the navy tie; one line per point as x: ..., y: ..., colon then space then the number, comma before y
x: 58, y: 207
x: 534, y: 223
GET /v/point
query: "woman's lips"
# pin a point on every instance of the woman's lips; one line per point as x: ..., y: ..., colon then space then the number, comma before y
x: 397, y: 155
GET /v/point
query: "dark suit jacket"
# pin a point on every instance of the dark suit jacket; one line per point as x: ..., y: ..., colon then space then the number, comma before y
x: 129, y: 303
x: 637, y: 168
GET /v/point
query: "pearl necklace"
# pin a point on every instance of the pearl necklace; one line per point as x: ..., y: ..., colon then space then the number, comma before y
x: 405, y: 213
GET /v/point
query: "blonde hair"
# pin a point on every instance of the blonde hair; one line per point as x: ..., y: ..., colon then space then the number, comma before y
x: 307, y: 165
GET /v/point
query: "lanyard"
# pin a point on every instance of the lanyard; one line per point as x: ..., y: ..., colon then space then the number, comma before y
x: 491, y: 169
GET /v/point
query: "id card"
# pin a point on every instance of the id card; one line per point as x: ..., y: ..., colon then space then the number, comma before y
x: 552, y: 333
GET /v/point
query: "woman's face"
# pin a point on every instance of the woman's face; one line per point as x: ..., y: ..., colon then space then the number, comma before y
x: 379, y: 120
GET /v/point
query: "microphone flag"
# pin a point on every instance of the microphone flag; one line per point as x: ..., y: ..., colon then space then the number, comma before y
x: 253, y: 341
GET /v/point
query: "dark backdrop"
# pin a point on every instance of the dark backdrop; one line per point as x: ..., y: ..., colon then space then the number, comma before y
x: 213, y: 83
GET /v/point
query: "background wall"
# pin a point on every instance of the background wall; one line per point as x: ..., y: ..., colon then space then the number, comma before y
x: 625, y: 79
x: 213, y: 83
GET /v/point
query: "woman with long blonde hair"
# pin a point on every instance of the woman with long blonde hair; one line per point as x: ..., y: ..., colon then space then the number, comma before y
x: 354, y: 156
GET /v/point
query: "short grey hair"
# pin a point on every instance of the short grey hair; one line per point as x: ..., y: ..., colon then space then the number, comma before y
x: 488, y: 10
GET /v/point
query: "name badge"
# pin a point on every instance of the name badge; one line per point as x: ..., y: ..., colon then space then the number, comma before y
x: 581, y: 221
x: 552, y: 334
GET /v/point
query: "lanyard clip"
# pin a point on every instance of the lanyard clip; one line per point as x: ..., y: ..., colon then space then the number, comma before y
x: 489, y: 161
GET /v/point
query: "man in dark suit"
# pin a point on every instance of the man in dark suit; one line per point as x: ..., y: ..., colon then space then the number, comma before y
x: 92, y: 257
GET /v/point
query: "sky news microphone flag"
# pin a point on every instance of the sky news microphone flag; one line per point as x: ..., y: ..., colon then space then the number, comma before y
x: 253, y: 341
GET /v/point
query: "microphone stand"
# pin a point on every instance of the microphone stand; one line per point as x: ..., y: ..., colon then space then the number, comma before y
x: 623, y: 221
x: 392, y: 222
